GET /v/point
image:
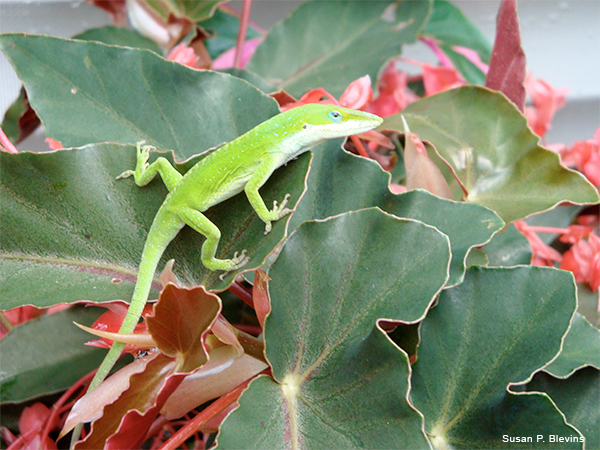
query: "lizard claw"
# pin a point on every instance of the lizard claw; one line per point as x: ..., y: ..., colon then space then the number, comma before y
x: 125, y: 174
x: 142, y: 156
x: 238, y: 261
x: 268, y: 228
x: 281, y: 208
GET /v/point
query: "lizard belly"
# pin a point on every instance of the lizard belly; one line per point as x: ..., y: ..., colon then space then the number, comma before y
x: 225, y: 190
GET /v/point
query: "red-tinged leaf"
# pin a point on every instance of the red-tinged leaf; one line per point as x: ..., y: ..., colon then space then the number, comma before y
x: 507, y: 65
x: 282, y: 97
x: 227, y: 334
x: 167, y: 275
x: 421, y: 171
x: 90, y: 407
x: 182, y: 318
x: 225, y: 370
x: 124, y: 423
x: 260, y: 296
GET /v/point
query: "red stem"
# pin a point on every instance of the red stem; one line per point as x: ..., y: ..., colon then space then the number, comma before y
x: 56, y: 408
x: 5, y: 143
x: 359, y: 147
x: 243, y: 30
x: 244, y: 294
x: 442, y: 57
x: 546, y: 230
x: 205, y: 416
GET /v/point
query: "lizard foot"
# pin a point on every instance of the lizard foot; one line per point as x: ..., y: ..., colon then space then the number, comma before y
x: 278, y: 212
x: 237, y: 261
x: 143, y: 153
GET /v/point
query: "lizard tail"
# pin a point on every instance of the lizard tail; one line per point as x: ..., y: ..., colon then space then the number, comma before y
x: 164, y: 228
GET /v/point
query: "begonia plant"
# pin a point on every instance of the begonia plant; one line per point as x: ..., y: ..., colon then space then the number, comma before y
x: 435, y: 287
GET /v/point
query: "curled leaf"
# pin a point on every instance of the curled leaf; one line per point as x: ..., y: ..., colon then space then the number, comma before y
x: 224, y: 371
x: 260, y: 296
x: 181, y: 321
x: 89, y: 407
x: 142, y: 340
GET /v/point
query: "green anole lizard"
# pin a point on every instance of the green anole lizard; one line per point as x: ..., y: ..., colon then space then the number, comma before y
x: 244, y: 164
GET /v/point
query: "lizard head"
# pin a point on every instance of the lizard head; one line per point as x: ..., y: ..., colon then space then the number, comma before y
x: 331, y: 121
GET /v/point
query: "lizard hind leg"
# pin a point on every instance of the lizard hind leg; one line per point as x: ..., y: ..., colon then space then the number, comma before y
x: 209, y: 230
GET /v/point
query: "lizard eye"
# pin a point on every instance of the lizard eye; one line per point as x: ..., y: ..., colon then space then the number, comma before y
x: 335, y: 116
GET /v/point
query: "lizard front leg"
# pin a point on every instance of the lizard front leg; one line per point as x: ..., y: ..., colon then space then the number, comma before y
x: 209, y: 230
x: 267, y: 216
x: 144, y: 173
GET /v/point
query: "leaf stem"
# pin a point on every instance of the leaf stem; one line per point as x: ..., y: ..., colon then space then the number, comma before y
x: 244, y: 294
x: 57, y: 407
x: 241, y: 38
x: 252, y: 346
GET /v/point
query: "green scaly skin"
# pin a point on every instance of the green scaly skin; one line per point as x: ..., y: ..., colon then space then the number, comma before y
x: 244, y: 164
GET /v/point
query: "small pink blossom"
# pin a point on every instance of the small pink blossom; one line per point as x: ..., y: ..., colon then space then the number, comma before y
x: 226, y: 59
x: 183, y: 54
x: 313, y: 96
x: 32, y: 424
x: 5, y: 143
x: 53, y: 144
x: 542, y: 254
x: 574, y: 233
x: 111, y: 322
x: 546, y: 101
x: 358, y: 94
x: 583, y: 259
x: 584, y: 156
x: 432, y: 43
x: 473, y: 57
x: 437, y: 79
x: 394, y: 94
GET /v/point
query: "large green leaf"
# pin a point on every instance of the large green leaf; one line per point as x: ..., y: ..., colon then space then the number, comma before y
x: 124, y: 37
x: 340, y: 182
x: 581, y: 348
x: 87, y: 92
x: 508, y: 248
x: 330, y: 44
x: 496, y: 328
x: 485, y: 139
x: 339, y: 382
x: 47, y: 355
x: 20, y: 120
x: 70, y: 231
x: 577, y: 398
